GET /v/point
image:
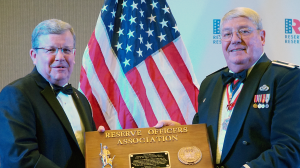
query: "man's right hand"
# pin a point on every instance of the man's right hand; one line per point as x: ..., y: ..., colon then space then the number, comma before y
x: 101, y: 129
x: 162, y: 123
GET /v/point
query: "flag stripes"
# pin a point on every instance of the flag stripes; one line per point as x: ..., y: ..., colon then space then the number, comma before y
x: 161, y: 87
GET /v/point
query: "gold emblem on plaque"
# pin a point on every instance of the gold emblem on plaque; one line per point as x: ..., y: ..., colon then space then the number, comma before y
x: 105, y: 156
x: 189, y: 155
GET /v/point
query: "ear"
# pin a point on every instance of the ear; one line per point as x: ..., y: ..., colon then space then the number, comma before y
x: 74, y: 55
x: 263, y: 37
x: 32, y: 53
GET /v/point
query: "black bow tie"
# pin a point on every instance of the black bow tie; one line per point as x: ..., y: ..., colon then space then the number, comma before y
x: 66, y: 90
x: 228, y: 77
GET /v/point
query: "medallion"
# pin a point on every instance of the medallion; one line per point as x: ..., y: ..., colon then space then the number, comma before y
x: 189, y: 155
x: 254, y: 105
x: 255, y: 101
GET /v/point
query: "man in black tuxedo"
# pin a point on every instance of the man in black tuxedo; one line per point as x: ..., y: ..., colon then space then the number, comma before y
x: 42, y: 124
x: 252, y: 107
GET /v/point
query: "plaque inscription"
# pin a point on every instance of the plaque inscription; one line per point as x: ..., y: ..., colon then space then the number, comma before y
x: 150, y: 160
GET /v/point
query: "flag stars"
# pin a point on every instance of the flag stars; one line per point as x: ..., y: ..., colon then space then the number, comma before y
x: 140, y: 53
x: 163, y: 23
x: 122, y: 17
x: 104, y: 8
x: 113, y: 13
x: 148, y: 45
x: 152, y: 18
x: 142, y: 26
x: 120, y: 32
x: 149, y: 32
x: 142, y: 13
x: 132, y: 20
x: 176, y: 28
x: 154, y: 4
x: 166, y: 9
x: 128, y: 48
x: 162, y: 37
x: 141, y: 39
x: 130, y: 34
x: 124, y: 4
x: 126, y: 62
x: 143, y: 1
x: 111, y: 27
x: 118, y: 46
x: 134, y: 6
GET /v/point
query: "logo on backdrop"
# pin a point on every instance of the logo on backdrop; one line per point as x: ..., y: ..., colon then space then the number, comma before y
x: 292, y: 33
x: 217, y: 32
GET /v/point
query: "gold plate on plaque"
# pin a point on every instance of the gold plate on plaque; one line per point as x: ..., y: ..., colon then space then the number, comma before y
x: 152, y: 159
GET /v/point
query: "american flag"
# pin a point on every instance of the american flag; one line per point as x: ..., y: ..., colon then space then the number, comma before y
x: 135, y: 69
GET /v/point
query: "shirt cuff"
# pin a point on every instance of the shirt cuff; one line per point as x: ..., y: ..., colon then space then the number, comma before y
x: 246, y: 166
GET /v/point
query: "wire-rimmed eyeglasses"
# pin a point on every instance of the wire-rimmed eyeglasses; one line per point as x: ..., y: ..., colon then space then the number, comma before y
x: 54, y: 50
x: 242, y: 33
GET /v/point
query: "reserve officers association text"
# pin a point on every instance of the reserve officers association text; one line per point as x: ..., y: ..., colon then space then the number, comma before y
x: 135, y: 136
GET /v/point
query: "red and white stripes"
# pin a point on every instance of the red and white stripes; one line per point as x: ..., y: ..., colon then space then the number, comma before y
x: 162, y: 87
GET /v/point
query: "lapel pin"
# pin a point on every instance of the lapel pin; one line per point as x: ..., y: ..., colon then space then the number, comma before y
x: 264, y: 88
x: 204, y: 100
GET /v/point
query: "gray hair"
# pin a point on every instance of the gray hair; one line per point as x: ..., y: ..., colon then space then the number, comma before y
x: 51, y: 26
x: 243, y: 12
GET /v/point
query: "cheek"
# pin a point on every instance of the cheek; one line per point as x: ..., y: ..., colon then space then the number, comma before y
x: 225, y: 45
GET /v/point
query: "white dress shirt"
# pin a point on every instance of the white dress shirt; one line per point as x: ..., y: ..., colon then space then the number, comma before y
x: 67, y: 103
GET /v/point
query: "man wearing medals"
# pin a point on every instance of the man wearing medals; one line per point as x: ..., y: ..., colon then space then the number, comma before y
x: 252, y: 106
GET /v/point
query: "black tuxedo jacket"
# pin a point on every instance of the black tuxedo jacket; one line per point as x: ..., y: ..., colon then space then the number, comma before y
x: 35, y: 131
x: 260, y: 137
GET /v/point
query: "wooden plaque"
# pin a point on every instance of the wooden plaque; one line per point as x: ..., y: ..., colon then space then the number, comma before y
x: 133, y: 142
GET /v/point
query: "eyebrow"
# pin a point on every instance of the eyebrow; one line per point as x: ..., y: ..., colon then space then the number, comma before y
x: 240, y: 27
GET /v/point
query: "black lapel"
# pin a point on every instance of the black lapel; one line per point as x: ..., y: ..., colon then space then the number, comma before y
x: 213, y: 113
x: 82, y: 113
x: 243, y: 103
x: 50, y: 97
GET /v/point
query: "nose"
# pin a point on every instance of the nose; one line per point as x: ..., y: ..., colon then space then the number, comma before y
x: 236, y: 37
x: 59, y: 55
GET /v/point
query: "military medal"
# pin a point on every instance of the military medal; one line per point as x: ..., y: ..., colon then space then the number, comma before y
x: 255, y: 101
x: 267, y: 100
x: 232, y: 96
x: 259, y: 101
x: 263, y: 100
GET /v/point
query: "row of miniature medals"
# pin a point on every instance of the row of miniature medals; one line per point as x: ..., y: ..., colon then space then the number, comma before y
x: 262, y: 100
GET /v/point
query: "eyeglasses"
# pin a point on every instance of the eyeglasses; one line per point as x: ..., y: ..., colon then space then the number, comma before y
x: 241, y: 33
x: 54, y: 50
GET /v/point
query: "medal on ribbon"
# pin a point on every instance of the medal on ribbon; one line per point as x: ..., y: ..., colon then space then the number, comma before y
x: 263, y: 100
x: 259, y: 100
x: 267, y: 100
x: 255, y: 101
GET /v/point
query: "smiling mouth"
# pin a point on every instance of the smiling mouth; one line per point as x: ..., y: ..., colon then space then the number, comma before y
x: 234, y: 50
